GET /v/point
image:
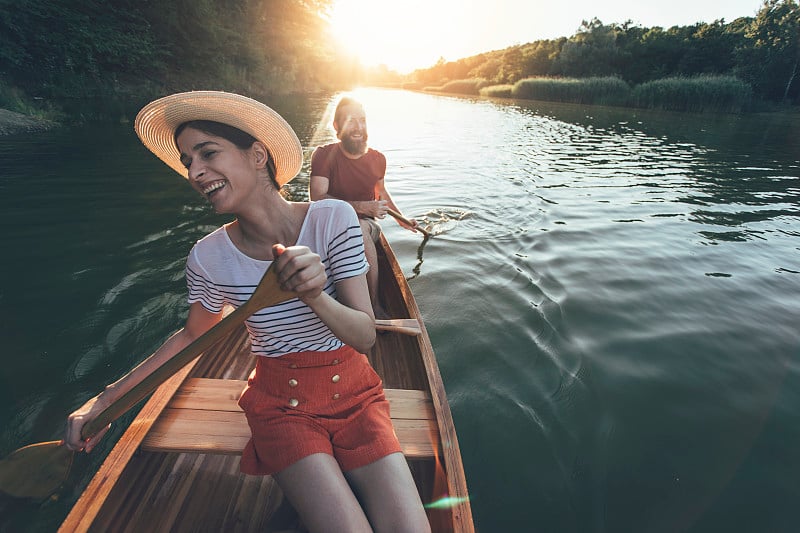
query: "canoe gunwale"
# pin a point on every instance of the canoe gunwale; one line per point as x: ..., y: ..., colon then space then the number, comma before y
x: 454, y: 469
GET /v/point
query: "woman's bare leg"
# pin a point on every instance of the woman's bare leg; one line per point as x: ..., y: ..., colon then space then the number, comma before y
x: 319, y: 492
x: 389, y: 495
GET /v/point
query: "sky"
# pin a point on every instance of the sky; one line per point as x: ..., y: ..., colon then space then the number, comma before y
x: 410, y: 34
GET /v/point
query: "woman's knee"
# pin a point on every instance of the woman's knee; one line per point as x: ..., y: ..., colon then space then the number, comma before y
x: 321, y: 495
x: 389, y: 495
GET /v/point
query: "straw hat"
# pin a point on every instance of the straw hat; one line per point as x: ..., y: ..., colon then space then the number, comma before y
x: 157, y: 121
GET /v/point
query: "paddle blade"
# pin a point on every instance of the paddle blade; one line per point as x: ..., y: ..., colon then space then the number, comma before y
x: 35, y: 471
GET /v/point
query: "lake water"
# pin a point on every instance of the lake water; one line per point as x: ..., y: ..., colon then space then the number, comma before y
x: 613, y: 296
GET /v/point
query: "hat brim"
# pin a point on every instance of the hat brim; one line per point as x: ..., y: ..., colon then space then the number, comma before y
x: 157, y: 121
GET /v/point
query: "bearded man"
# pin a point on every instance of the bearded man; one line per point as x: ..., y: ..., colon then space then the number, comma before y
x: 350, y: 170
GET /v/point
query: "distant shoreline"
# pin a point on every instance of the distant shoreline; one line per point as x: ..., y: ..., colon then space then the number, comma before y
x: 11, y: 122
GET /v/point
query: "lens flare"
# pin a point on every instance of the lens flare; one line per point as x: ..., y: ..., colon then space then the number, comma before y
x: 446, y: 502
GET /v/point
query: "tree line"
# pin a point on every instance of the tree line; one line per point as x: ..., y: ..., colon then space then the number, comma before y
x: 763, y: 51
x: 59, y: 49
x: 55, y: 50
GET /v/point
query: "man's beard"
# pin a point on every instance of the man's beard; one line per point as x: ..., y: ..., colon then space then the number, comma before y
x: 354, y: 147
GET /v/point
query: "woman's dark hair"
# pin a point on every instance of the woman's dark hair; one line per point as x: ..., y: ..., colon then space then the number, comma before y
x: 240, y: 139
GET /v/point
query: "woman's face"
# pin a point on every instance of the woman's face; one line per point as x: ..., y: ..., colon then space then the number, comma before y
x: 218, y: 169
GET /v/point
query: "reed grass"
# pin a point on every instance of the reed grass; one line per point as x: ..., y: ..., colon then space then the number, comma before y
x: 707, y: 93
x: 470, y: 86
x: 497, y: 91
x: 607, y: 90
x: 721, y: 94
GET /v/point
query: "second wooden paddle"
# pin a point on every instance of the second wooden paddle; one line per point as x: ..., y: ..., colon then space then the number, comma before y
x: 404, y: 220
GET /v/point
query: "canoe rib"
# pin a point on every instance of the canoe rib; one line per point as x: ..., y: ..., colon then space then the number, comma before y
x: 140, y: 490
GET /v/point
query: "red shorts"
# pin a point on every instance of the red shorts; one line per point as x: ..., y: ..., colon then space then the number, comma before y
x: 315, y: 402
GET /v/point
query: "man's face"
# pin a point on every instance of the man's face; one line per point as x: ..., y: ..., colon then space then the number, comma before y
x: 352, y: 130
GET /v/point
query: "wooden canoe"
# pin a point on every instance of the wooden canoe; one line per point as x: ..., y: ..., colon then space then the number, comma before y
x: 176, y: 468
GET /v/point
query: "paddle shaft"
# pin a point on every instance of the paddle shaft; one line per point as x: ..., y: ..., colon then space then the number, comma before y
x: 403, y: 219
x: 267, y: 293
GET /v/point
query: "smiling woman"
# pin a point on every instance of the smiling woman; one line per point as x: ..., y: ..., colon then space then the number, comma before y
x: 401, y: 35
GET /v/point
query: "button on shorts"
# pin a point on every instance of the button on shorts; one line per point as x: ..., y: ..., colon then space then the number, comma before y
x: 315, y: 402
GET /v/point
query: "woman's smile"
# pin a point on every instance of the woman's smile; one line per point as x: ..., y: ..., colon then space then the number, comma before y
x: 214, y: 186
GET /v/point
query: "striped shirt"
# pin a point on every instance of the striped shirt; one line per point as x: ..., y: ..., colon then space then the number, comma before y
x: 217, y: 273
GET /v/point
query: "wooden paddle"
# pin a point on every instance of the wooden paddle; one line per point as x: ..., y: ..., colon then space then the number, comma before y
x: 37, y: 470
x: 403, y: 219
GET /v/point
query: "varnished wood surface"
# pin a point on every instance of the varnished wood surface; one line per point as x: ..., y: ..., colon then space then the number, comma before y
x: 153, y: 491
x: 458, y: 516
x: 204, y: 417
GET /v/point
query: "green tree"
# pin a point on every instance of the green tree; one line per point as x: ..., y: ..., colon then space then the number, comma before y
x: 709, y: 49
x: 488, y: 69
x: 48, y: 47
x: 772, y: 60
x: 512, y: 65
x: 592, y: 51
x: 539, y: 57
x: 62, y: 48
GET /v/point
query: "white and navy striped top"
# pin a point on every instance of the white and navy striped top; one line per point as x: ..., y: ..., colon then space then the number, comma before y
x: 217, y: 273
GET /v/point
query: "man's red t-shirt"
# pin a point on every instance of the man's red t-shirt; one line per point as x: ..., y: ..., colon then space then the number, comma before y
x: 349, y: 179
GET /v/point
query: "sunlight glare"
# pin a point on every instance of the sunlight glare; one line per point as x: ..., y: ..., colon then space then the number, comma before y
x: 401, y: 35
x: 414, y: 34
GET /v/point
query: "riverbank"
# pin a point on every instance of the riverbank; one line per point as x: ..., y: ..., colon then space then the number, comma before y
x: 699, y: 94
x: 11, y: 122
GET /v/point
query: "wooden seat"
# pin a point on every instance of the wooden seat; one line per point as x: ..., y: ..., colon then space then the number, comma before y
x: 204, y: 417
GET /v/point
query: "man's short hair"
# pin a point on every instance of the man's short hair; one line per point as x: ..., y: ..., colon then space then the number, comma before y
x: 344, y: 102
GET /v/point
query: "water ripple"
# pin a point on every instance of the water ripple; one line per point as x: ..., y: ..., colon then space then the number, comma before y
x: 612, y: 295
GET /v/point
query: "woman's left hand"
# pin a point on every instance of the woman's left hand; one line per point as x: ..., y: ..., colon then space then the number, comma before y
x: 299, y: 270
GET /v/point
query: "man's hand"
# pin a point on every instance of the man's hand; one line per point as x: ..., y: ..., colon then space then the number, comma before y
x: 375, y: 208
x: 412, y: 224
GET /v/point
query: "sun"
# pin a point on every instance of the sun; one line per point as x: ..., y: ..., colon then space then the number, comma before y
x: 401, y: 35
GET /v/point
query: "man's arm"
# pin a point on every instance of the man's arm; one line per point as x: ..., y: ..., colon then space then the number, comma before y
x: 383, y: 194
x: 318, y: 190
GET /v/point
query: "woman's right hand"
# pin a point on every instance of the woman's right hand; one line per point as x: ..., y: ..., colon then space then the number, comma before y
x: 299, y: 270
x: 75, y: 422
